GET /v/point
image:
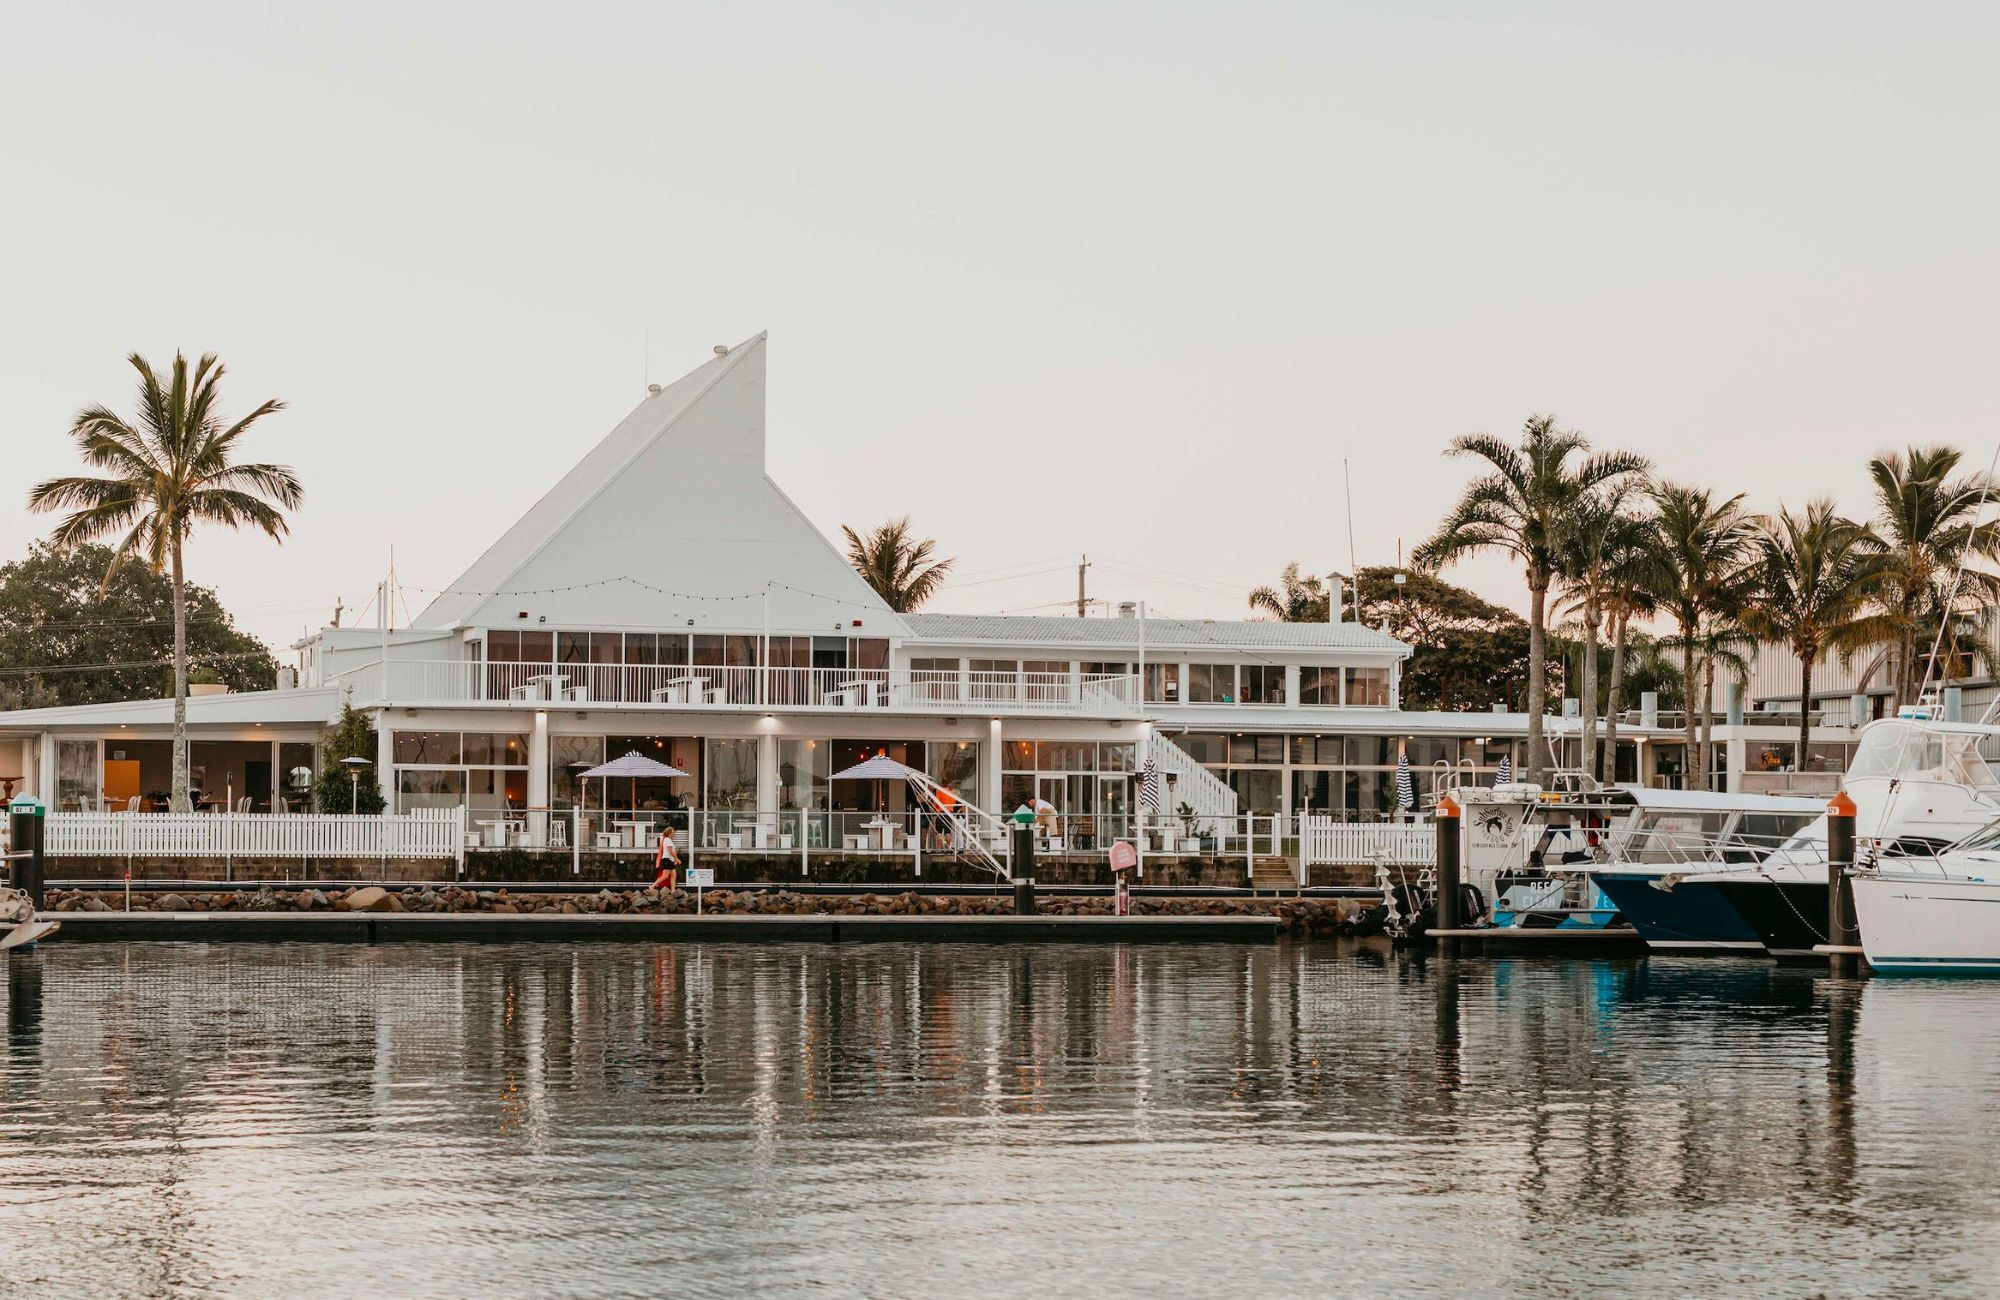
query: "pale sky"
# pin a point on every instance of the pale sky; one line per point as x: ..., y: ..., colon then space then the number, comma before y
x: 1122, y: 279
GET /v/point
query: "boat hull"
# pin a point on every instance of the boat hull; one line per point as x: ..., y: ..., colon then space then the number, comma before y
x: 1789, y: 916
x: 1929, y: 925
x: 1692, y: 916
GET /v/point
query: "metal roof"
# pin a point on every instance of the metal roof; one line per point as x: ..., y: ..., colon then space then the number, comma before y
x: 1164, y: 633
x: 236, y: 708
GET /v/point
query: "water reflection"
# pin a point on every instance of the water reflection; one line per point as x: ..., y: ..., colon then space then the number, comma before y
x: 921, y: 1120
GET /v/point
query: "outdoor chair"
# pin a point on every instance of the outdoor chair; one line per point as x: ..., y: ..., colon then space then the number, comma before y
x: 132, y: 804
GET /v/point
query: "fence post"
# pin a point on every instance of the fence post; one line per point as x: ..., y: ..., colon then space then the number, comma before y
x: 805, y: 853
x: 1249, y: 845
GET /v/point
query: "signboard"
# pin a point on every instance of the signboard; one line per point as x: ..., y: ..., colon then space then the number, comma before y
x: 699, y: 877
x: 1123, y: 856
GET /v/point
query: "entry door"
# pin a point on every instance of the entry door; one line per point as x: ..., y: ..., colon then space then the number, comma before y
x: 257, y: 782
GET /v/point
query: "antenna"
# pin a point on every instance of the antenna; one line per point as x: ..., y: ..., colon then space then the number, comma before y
x: 1348, y: 474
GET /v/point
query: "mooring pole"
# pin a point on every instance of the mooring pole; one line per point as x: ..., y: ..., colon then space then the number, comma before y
x: 1449, y: 913
x: 1024, y: 868
x: 24, y: 840
x: 1843, y: 931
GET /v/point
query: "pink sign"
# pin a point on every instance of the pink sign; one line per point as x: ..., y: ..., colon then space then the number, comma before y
x: 1123, y: 856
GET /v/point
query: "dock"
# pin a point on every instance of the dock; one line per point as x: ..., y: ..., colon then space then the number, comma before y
x: 542, y: 927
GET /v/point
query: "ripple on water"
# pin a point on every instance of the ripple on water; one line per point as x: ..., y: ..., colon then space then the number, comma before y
x: 1057, y: 1121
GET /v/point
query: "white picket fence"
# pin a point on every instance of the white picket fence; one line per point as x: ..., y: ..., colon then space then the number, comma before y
x: 1326, y: 842
x: 427, y: 833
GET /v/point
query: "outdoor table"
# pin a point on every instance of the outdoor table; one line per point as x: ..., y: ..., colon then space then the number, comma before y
x: 854, y: 694
x: 678, y: 690
x: 634, y: 833
x: 885, y: 833
x: 494, y: 832
x: 550, y: 683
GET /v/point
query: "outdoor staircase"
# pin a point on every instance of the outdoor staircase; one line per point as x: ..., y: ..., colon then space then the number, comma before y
x: 1276, y: 874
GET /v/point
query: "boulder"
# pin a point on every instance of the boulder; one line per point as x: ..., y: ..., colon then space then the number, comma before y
x: 95, y: 904
x: 170, y: 903
x: 505, y: 909
x: 373, y: 899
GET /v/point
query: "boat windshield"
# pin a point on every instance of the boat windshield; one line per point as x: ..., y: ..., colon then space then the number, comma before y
x: 1987, y: 838
x: 1911, y: 750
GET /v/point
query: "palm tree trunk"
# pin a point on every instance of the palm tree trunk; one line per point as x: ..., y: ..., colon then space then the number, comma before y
x: 1707, y: 716
x: 1689, y: 734
x: 1805, y: 712
x: 1591, y: 617
x: 1538, y: 759
x: 1613, y: 701
x: 182, y: 801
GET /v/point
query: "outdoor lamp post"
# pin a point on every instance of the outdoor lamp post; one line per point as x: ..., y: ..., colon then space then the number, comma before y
x: 354, y: 763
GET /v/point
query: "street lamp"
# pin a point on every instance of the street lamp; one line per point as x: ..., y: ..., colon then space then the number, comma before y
x: 354, y: 764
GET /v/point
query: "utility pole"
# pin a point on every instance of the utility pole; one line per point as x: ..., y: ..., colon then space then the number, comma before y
x: 1082, y: 601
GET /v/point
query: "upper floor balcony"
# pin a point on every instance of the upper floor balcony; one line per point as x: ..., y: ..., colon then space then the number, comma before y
x: 681, y: 687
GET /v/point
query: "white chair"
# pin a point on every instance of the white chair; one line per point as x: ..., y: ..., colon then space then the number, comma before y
x: 132, y: 804
x: 243, y: 804
x: 716, y: 695
x: 579, y: 693
x: 856, y: 842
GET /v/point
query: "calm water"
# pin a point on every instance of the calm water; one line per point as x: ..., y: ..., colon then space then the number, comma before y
x: 921, y: 1121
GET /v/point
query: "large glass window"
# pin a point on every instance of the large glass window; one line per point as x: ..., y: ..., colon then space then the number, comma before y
x: 76, y: 776
x: 538, y: 647
x: 1263, y: 684
x: 1066, y: 756
x: 427, y: 747
x: 732, y: 773
x: 573, y: 647
x: 803, y: 768
x: 1321, y: 751
x: 417, y: 788
x: 1205, y: 747
x: 1163, y: 683
x: 503, y: 646
x: 569, y: 756
x: 1319, y: 686
x: 607, y: 647
x: 1366, y: 687
x: 954, y: 764
x: 1211, y: 683
x: 298, y: 764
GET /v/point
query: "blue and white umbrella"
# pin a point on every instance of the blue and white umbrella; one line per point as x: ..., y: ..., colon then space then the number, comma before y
x: 1406, y: 789
x: 1149, y: 786
x: 1505, y: 774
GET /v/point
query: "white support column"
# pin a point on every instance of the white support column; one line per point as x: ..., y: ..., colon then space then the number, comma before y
x: 990, y: 764
x: 538, y: 779
x: 1292, y: 686
x: 45, y: 769
x: 767, y: 785
x: 385, y: 760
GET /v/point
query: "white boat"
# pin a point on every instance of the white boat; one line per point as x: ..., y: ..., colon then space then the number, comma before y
x: 19, y: 926
x: 1938, y: 915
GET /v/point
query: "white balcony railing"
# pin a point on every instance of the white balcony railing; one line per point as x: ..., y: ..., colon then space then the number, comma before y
x: 679, y: 686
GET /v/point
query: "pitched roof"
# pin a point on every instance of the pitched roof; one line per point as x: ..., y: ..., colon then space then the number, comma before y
x: 1164, y: 633
x: 316, y: 705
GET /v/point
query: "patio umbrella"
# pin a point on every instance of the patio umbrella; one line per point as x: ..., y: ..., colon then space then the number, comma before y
x: 634, y: 765
x: 1504, y: 775
x: 1149, y: 786
x: 879, y: 769
x: 1406, y: 790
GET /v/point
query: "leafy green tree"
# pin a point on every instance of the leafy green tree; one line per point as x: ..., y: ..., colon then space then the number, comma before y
x: 1817, y: 573
x: 1295, y: 599
x: 69, y: 635
x: 172, y: 467
x: 1522, y: 506
x: 1466, y: 652
x: 339, y: 790
x: 1927, y: 533
x: 900, y: 568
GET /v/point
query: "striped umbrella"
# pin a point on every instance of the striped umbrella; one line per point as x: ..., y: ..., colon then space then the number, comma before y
x: 1149, y: 786
x: 1505, y: 772
x: 1406, y: 790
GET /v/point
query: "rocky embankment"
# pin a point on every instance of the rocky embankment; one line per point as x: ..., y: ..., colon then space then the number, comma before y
x: 1301, y: 915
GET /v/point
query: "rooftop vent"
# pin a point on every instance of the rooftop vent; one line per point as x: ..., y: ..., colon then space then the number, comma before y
x: 652, y: 390
x: 722, y: 349
x: 1128, y: 609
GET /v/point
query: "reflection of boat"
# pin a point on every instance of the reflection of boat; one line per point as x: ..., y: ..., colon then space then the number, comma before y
x: 1917, y: 785
x: 1937, y: 915
x: 19, y: 925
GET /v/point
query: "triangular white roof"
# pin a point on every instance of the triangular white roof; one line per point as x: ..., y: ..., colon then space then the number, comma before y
x: 670, y: 519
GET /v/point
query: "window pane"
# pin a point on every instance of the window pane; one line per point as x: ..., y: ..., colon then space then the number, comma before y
x: 427, y: 747
x: 1066, y: 756
x: 1020, y: 755
x: 572, y: 647
x: 429, y: 790
x: 498, y: 750
x: 1205, y: 747
x: 538, y: 647
x: 1367, y: 687
x: 954, y: 764
x: 1370, y: 751
x: 1115, y: 756
x: 732, y: 773
x: 870, y: 652
x: 803, y: 768
x: 503, y: 647
x: 1319, y: 686
x: 607, y: 647
x: 642, y: 648
x: 1163, y: 683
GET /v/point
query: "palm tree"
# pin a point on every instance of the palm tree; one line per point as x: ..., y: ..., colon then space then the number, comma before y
x: 167, y: 470
x: 1723, y: 640
x: 1625, y: 598
x: 1817, y: 572
x: 1294, y: 599
x: 1927, y: 530
x: 1696, y: 575
x: 1522, y: 507
x: 899, y: 567
x: 1600, y: 534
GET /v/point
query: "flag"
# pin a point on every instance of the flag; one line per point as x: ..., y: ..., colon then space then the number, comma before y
x: 1149, y: 786
x: 1505, y: 774
x: 1406, y: 790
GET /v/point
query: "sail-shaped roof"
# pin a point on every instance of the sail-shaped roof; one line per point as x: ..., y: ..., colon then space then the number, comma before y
x: 670, y: 521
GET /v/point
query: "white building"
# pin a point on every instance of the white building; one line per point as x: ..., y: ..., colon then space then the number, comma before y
x: 667, y: 597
